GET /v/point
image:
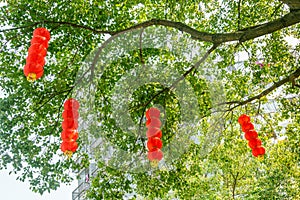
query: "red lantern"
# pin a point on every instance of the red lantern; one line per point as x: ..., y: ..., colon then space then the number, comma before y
x: 258, y: 151
x: 35, y: 61
x: 155, y: 155
x: 154, y: 143
x: 244, y: 119
x: 153, y: 122
x: 251, y: 134
x: 69, y: 134
x: 39, y: 40
x: 154, y: 134
x: 247, y: 127
x: 253, y: 143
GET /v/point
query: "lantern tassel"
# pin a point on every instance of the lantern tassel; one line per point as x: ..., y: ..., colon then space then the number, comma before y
x: 260, y: 157
x: 31, y: 77
x: 154, y: 163
x: 68, y: 154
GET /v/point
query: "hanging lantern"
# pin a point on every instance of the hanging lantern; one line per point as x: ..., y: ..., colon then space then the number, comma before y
x: 252, y: 136
x: 154, y: 134
x: 70, y: 114
x: 37, y: 49
x: 40, y: 41
x: 42, y: 32
x: 71, y: 104
x: 70, y: 124
x: 41, y: 36
x: 33, y: 72
x: 35, y: 61
x: 69, y: 134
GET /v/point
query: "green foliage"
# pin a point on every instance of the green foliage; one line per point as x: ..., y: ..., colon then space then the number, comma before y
x: 217, y: 164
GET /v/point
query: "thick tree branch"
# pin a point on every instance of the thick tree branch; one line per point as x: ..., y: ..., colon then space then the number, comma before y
x: 293, y: 4
x: 242, y: 35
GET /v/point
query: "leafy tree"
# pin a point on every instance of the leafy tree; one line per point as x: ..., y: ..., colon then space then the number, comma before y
x: 216, y: 163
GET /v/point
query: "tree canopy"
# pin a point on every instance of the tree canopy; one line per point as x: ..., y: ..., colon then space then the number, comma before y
x: 202, y: 63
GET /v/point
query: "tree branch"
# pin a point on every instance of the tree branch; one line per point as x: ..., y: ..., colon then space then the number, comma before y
x: 16, y: 28
x: 141, y: 47
x: 241, y: 35
x: 244, y: 35
x: 239, y: 15
x: 276, y: 9
x: 77, y: 26
x: 234, y: 184
x: 195, y: 66
x: 278, y: 84
x: 293, y: 4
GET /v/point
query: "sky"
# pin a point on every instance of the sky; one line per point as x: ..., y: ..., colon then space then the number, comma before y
x: 11, y: 189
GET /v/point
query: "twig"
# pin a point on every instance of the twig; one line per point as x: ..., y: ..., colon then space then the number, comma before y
x: 195, y: 66
x: 141, y: 47
x: 77, y: 26
x: 239, y: 15
x: 276, y: 85
x: 276, y: 9
x: 20, y: 27
x: 51, y: 97
x: 8, y: 40
x: 258, y: 109
x: 234, y: 184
